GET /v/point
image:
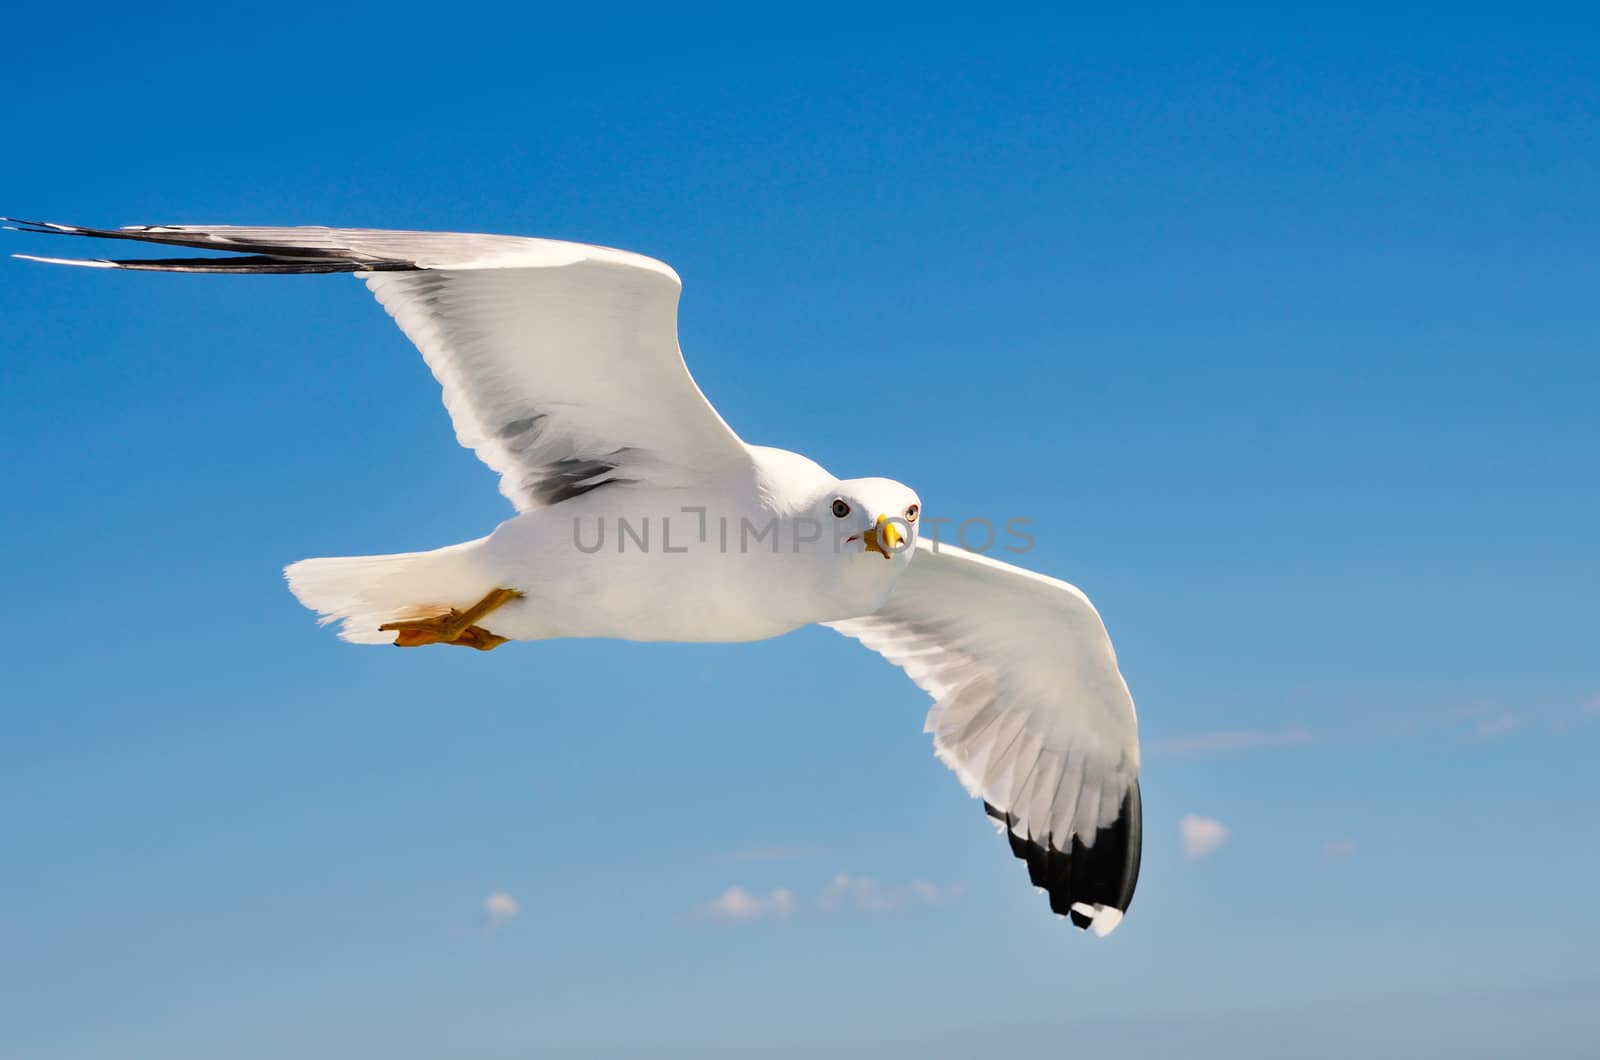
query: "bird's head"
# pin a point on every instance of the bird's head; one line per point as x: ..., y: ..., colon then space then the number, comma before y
x: 874, y: 517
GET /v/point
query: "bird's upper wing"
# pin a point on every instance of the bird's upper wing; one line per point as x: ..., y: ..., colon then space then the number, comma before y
x: 559, y: 361
x: 1031, y: 713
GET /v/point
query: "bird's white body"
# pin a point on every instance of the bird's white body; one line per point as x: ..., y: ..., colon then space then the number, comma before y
x: 737, y: 563
x: 643, y: 516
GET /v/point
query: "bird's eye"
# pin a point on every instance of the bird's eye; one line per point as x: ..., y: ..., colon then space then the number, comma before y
x: 840, y: 508
x: 911, y: 513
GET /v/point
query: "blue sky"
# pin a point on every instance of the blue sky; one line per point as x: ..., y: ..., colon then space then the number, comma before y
x: 1281, y: 330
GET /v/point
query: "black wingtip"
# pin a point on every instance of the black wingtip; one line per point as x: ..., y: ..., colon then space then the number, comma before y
x: 250, y: 258
x: 19, y: 224
x: 1082, y: 877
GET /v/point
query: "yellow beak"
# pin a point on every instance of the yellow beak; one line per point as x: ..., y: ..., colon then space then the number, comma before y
x: 883, y: 538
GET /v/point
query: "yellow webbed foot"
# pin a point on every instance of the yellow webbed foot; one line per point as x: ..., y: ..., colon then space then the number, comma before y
x: 452, y: 626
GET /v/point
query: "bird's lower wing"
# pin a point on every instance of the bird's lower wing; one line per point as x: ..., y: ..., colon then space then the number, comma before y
x: 1031, y: 713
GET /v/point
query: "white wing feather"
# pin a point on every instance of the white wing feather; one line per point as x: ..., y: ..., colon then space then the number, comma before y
x: 1030, y: 710
x: 559, y: 361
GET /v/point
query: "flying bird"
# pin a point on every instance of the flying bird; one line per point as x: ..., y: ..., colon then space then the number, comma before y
x: 641, y: 515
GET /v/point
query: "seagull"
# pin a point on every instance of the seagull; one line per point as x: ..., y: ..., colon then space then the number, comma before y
x: 641, y: 515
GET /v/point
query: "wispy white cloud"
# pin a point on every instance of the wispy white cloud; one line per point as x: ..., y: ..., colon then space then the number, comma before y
x: 843, y: 891
x: 1481, y: 721
x: 1339, y: 848
x: 1498, y: 724
x: 501, y: 909
x: 1202, y: 835
x: 933, y: 894
x: 736, y: 903
x: 1231, y: 740
x: 778, y: 853
x: 868, y: 895
x: 1485, y: 720
x: 863, y: 892
x: 1587, y: 711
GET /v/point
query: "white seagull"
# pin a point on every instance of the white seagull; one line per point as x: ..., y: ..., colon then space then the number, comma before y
x: 641, y: 515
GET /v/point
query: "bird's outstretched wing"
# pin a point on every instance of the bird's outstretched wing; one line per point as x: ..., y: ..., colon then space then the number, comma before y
x: 559, y: 361
x: 1031, y: 713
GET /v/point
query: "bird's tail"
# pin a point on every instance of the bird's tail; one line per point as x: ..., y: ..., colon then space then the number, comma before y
x: 364, y: 592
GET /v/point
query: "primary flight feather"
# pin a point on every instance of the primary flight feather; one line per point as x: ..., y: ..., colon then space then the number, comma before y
x: 642, y: 515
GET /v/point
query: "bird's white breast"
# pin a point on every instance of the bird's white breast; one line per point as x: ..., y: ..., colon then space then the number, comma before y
x: 666, y: 565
